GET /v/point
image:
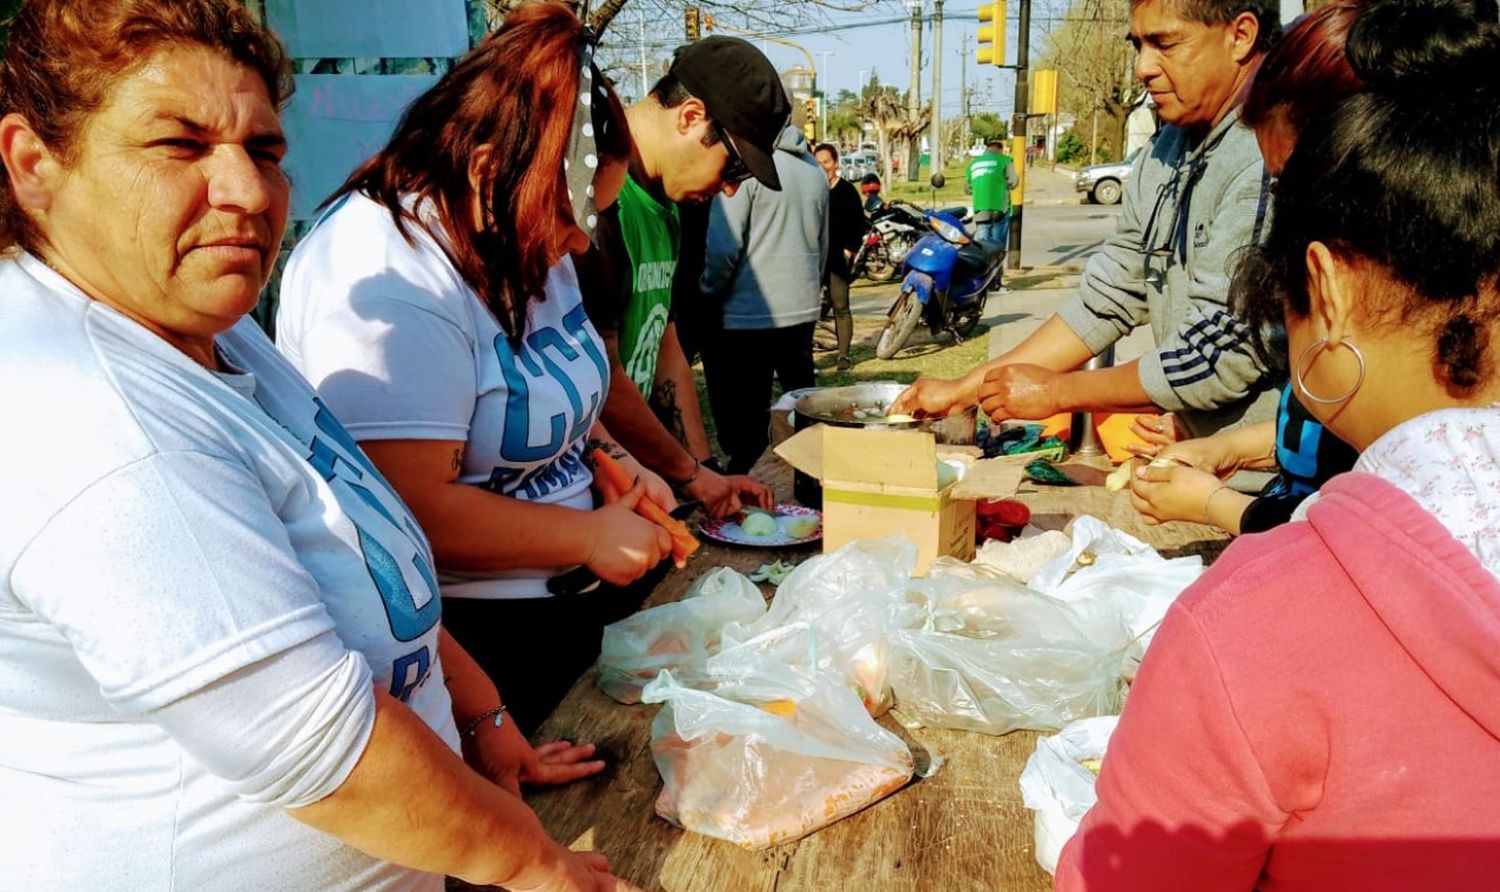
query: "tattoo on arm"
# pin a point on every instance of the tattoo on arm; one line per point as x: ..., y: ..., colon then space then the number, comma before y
x: 664, y: 404
x: 458, y: 459
x: 609, y: 447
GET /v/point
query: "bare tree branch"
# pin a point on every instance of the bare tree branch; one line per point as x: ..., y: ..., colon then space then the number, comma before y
x: 1089, y: 48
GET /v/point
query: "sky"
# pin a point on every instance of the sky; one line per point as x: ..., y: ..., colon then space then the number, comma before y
x: 855, y: 47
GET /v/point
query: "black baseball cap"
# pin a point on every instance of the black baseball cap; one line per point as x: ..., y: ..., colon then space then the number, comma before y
x: 743, y: 93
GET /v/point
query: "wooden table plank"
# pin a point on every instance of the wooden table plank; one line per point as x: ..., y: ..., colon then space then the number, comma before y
x: 962, y: 828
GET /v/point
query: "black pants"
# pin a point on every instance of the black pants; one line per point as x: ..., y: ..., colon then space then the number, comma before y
x: 534, y: 649
x: 837, y: 281
x: 739, y: 368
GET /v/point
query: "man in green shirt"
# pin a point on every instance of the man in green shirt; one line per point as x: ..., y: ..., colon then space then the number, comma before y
x: 991, y: 176
x: 708, y: 125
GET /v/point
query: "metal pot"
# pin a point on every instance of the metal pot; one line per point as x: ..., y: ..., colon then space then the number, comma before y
x: 865, y: 406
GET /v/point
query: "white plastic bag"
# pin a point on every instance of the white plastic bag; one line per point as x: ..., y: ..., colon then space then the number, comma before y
x: 1059, y: 787
x: 676, y: 635
x: 1022, y: 557
x: 768, y: 757
x: 853, y: 599
x: 1108, y: 569
x: 994, y: 656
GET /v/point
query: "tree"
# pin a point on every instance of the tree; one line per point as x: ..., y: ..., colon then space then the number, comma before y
x: 1070, y: 148
x: 987, y: 126
x: 885, y: 108
x: 666, y: 17
x: 1098, y: 83
x: 844, y: 126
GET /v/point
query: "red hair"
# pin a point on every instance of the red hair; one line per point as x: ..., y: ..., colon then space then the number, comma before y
x: 1307, y: 73
x: 515, y: 92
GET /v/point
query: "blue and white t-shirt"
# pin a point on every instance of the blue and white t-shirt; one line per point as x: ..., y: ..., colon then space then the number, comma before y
x: 167, y: 531
x: 401, y: 348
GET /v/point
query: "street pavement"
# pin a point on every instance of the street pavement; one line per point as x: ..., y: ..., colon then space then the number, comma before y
x: 1059, y: 234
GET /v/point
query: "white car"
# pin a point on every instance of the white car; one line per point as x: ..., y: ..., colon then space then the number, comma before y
x: 1105, y: 183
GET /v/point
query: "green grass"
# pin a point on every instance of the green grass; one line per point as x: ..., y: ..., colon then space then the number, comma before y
x: 920, y: 193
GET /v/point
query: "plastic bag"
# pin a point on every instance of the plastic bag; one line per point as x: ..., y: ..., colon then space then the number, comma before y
x: 676, y: 635
x: 1111, y: 570
x: 994, y: 656
x: 1059, y: 787
x: 1022, y: 557
x: 770, y: 756
x: 852, y: 599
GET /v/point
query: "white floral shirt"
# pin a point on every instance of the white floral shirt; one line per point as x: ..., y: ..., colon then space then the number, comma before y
x: 1449, y: 462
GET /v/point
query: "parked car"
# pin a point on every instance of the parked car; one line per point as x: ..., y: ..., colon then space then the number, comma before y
x: 856, y: 164
x: 1105, y: 183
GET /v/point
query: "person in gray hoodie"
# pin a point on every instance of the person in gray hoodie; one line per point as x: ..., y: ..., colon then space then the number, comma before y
x: 1194, y: 200
x: 763, y: 265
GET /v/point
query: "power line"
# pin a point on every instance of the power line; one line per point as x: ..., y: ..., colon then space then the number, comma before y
x: 858, y: 25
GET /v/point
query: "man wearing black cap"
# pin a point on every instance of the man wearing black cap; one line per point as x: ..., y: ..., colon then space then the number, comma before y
x: 708, y: 125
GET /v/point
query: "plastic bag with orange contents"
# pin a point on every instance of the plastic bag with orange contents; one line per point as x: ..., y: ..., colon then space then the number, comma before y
x: 852, y: 599
x: 674, y: 636
x: 769, y: 756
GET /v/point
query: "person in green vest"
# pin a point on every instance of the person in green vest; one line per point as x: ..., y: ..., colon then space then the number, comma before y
x: 991, y: 176
x: 708, y: 125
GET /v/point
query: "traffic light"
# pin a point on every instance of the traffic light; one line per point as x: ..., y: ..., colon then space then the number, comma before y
x: 692, y: 14
x: 810, y: 118
x: 992, y: 34
x: 1044, y: 92
x: 708, y: 21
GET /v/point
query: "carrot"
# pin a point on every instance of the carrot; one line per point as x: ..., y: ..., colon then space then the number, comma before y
x: 683, y: 541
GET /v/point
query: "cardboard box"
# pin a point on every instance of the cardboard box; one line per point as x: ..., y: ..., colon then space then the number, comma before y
x: 878, y: 483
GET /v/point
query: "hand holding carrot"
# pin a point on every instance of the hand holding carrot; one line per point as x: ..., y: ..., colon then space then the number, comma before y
x: 683, y: 541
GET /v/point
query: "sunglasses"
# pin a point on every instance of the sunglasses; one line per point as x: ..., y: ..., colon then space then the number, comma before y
x: 1179, y: 191
x: 735, y: 171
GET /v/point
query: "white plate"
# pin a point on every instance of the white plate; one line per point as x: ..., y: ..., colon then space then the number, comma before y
x: 728, y: 531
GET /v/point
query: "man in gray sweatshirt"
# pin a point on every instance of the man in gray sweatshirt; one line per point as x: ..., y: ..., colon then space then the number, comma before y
x: 763, y: 265
x: 1195, y: 198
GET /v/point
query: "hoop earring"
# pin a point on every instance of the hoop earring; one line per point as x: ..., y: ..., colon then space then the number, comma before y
x: 1315, y: 347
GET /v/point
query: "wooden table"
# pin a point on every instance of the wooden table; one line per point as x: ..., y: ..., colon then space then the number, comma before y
x: 964, y: 828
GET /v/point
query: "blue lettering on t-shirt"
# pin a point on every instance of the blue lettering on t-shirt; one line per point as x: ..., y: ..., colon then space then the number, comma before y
x: 411, y: 614
x: 515, y: 445
x: 533, y: 471
x: 409, y: 671
x: 576, y: 324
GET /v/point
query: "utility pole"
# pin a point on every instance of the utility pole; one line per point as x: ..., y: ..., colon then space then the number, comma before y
x: 823, y: 99
x: 963, y: 79
x: 937, y: 86
x: 644, y: 86
x: 1018, y: 121
x: 914, y: 94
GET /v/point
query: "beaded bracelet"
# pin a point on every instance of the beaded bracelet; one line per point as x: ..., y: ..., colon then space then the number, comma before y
x: 472, y: 725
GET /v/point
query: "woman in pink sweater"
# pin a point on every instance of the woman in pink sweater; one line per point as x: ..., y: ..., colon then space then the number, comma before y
x: 1321, y: 710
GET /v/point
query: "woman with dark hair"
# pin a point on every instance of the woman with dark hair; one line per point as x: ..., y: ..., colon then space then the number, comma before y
x: 435, y: 308
x: 846, y: 230
x: 1322, y: 709
x: 1301, y: 78
x: 224, y: 662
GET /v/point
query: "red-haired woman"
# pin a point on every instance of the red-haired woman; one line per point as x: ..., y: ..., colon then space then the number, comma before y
x: 436, y: 310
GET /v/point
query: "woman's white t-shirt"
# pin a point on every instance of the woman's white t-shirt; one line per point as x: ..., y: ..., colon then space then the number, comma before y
x: 200, y: 577
x: 401, y: 348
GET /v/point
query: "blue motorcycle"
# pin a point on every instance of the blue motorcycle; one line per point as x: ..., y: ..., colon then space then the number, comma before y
x: 947, y: 279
